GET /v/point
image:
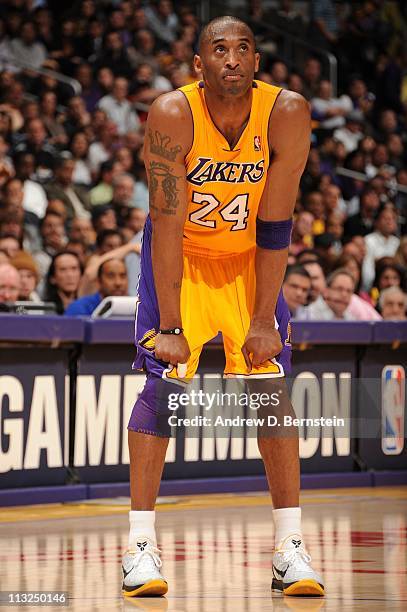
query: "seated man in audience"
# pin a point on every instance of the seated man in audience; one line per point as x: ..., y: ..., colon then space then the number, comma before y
x: 119, y: 109
x: 9, y: 244
x: 109, y: 244
x: 53, y: 240
x: 75, y: 198
x: 112, y: 281
x: 330, y: 111
x: 362, y: 222
x: 296, y: 287
x: 35, y: 199
x: 123, y: 195
x: 318, y: 281
x: 333, y: 303
x: 381, y: 243
x: 9, y: 285
x: 82, y: 230
x: 393, y: 304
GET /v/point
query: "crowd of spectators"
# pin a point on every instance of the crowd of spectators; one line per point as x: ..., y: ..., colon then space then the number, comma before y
x: 73, y: 191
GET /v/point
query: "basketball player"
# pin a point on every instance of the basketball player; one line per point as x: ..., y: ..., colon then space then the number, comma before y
x: 224, y: 157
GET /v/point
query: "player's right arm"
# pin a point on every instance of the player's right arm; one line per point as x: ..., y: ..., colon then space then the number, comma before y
x: 169, y: 134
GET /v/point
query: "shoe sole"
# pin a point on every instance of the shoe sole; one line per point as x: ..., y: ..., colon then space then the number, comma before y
x: 153, y: 588
x: 310, y: 588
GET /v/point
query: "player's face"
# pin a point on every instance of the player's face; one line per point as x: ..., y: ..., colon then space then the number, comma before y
x: 228, y: 60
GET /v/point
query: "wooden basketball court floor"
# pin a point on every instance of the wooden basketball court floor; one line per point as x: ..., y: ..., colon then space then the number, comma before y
x: 217, y: 552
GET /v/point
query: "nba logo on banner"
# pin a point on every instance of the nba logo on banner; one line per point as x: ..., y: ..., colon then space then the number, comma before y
x: 393, y: 400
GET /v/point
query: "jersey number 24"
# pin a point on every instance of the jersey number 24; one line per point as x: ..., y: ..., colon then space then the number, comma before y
x: 236, y: 211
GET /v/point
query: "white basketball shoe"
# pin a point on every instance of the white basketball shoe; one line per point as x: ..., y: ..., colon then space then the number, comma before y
x: 292, y: 572
x: 141, y: 571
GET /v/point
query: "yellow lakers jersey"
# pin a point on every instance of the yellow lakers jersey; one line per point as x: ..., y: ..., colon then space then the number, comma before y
x: 225, y: 185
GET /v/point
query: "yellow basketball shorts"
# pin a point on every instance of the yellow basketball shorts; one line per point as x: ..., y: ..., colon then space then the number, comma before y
x: 217, y: 295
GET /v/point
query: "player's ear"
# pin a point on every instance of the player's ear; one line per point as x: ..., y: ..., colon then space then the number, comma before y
x: 198, y: 64
x: 257, y: 62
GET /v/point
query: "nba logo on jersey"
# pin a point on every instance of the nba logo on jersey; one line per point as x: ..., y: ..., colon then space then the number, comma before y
x: 257, y: 143
x: 393, y: 400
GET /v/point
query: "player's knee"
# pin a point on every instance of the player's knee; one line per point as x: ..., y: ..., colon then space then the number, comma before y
x: 275, y: 409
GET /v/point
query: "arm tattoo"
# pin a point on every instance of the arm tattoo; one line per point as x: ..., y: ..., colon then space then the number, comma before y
x: 159, y: 145
x: 153, y: 186
x: 162, y: 173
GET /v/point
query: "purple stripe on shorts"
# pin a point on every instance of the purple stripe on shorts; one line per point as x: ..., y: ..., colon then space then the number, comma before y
x: 283, y: 320
x: 148, y: 316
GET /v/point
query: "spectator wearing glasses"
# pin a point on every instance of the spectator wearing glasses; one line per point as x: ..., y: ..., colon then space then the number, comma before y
x: 334, y: 303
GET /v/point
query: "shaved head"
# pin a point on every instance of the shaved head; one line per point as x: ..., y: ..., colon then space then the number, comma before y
x: 227, y: 57
x: 215, y: 28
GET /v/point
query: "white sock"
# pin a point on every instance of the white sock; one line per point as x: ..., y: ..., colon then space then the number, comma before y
x: 141, y: 526
x: 287, y: 521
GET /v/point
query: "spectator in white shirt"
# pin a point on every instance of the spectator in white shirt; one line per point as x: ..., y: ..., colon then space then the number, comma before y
x: 352, y: 132
x: 26, y: 49
x: 333, y: 303
x: 380, y: 243
x: 6, y: 55
x: 35, y: 198
x: 79, y: 146
x: 101, y: 150
x: 328, y: 110
x: 119, y: 109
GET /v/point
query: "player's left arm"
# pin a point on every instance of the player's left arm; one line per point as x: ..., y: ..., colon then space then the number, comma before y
x: 289, y: 140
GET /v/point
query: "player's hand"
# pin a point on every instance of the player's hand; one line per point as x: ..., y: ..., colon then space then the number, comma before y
x: 172, y: 349
x: 262, y: 342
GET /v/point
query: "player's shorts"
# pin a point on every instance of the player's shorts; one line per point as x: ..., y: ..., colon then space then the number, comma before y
x: 217, y: 295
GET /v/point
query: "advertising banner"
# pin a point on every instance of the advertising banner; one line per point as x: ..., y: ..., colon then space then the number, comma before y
x: 383, y: 371
x: 320, y: 387
x: 34, y: 416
